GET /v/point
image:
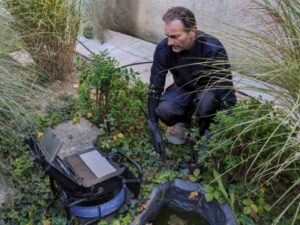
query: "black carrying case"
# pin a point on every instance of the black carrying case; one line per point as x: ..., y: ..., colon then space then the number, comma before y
x: 74, y: 181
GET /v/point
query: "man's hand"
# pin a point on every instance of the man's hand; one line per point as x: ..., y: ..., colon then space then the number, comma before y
x: 157, y: 141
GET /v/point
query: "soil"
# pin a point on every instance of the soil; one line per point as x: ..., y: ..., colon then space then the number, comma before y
x: 68, y: 85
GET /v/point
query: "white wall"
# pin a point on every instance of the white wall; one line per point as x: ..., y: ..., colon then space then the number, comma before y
x: 142, y: 18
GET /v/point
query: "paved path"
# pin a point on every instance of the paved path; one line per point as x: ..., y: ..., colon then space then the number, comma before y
x: 128, y: 50
x: 125, y: 49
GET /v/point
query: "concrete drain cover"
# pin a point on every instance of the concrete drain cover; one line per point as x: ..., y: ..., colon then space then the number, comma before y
x: 76, y: 137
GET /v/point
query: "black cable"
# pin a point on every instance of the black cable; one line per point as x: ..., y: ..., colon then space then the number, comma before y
x: 121, y: 67
x: 138, y: 63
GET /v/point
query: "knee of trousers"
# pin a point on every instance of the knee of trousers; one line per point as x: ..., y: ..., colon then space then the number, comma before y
x: 206, y: 107
x: 169, y: 112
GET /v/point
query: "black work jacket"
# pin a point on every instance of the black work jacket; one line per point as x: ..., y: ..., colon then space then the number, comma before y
x: 204, y: 65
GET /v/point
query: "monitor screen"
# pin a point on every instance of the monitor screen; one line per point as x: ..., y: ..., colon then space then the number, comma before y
x: 50, y: 144
x: 97, y: 163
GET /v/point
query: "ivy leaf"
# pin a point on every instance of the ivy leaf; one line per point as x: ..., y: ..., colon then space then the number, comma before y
x: 209, y: 189
x: 116, y: 222
x: 196, y: 172
x: 216, y: 195
x: 247, y: 210
x: 247, y: 202
x: 267, y: 207
x: 209, y: 197
x: 254, y: 208
x: 192, y: 178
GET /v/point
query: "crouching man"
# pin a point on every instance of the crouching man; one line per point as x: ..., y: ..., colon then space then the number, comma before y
x: 201, y: 73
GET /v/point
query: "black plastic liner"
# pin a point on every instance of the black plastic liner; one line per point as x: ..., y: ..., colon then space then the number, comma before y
x: 176, y: 194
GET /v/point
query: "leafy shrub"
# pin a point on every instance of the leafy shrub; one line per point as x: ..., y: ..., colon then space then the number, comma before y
x: 105, y: 93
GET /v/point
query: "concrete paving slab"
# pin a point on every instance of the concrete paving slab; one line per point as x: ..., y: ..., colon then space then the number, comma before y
x: 143, y: 70
x: 83, y: 39
x: 141, y: 49
x: 120, y: 40
x: 82, y: 50
x: 123, y: 57
x: 253, y: 87
x: 97, y: 46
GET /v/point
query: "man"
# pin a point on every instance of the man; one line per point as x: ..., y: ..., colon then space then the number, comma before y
x: 202, y: 79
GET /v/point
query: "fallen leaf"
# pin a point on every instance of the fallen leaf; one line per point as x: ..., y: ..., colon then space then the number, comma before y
x: 120, y: 135
x: 76, y: 120
x: 89, y: 115
x: 193, y: 194
x: 144, y: 206
x: 39, y: 134
x: 47, y: 222
x: 254, y: 208
x: 262, y: 190
x: 253, y: 215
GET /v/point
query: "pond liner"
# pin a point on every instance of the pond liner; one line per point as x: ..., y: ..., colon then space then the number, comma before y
x: 176, y: 194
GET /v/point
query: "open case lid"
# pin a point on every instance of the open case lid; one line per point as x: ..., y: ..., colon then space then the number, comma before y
x: 93, y: 167
x: 50, y: 144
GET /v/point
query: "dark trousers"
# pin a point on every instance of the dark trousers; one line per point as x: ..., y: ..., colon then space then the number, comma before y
x: 178, y: 106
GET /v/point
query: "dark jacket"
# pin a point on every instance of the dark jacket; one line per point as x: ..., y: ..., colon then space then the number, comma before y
x: 202, y: 66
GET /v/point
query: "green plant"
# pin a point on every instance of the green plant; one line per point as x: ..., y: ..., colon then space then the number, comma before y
x: 105, y: 93
x: 88, y: 32
x: 257, y: 145
x: 17, y: 94
x: 32, y: 196
x: 96, y: 81
x: 92, y: 12
x: 49, y: 30
x: 238, y: 137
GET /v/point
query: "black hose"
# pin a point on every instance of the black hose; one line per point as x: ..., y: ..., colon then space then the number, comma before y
x: 121, y: 67
x: 139, y: 63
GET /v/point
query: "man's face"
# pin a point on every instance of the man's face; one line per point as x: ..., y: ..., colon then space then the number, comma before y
x: 179, y: 38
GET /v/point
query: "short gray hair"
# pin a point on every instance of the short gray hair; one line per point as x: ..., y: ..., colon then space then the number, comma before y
x: 185, y: 15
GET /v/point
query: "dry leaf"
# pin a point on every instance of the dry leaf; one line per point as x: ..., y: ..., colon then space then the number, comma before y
x: 89, y: 115
x: 144, y: 206
x: 262, y: 190
x: 193, y: 194
x: 47, y: 222
x: 120, y: 135
x: 39, y: 134
x: 254, y: 208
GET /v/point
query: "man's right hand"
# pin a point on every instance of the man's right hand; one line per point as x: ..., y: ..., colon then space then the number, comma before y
x: 157, y: 140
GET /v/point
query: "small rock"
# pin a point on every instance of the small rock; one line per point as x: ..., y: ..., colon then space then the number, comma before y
x: 22, y: 57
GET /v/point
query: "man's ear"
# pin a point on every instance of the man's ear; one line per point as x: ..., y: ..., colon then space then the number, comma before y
x: 193, y: 31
